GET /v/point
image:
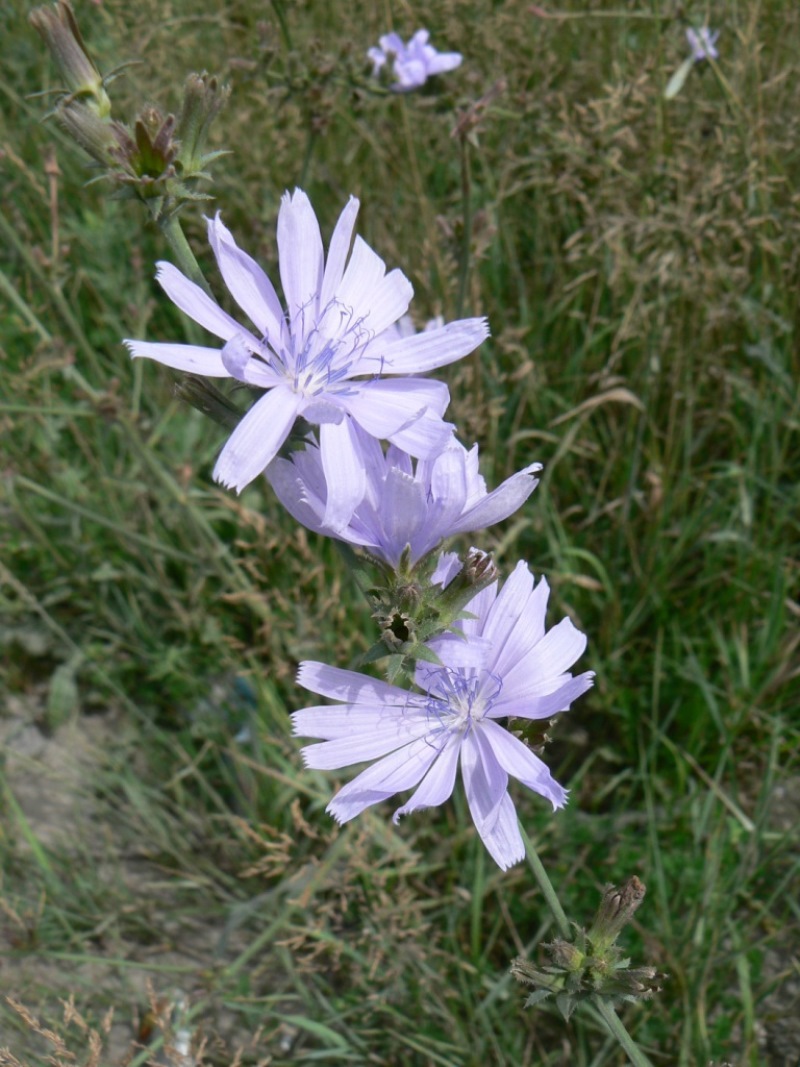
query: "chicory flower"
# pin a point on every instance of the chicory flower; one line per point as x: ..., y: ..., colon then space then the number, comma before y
x: 503, y: 664
x: 406, y: 505
x: 702, y: 43
x: 325, y: 359
x: 413, y: 63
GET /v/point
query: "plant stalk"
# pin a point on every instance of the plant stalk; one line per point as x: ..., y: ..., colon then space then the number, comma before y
x: 466, y: 209
x: 171, y: 228
x: 546, y: 886
x: 618, y: 1031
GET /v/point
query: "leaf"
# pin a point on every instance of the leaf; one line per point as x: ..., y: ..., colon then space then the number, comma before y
x: 676, y: 82
x: 537, y: 997
x: 566, y: 1005
x: 376, y: 652
x: 394, y: 668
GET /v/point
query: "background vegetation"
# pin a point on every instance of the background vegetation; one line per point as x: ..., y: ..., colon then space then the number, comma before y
x: 639, y: 263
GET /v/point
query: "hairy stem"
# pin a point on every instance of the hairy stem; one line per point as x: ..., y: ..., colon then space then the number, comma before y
x: 546, y: 886
x: 617, y: 1028
x: 171, y: 228
x: 466, y: 209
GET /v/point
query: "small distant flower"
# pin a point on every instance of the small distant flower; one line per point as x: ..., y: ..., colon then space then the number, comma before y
x: 405, y: 505
x: 413, y: 63
x: 325, y: 359
x: 502, y: 665
x: 702, y: 43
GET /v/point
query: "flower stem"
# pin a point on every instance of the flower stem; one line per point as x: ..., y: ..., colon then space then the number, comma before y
x: 624, y: 1039
x: 423, y: 199
x: 466, y: 208
x: 277, y: 6
x: 546, y: 886
x: 171, y: 228
x: 311, y: 140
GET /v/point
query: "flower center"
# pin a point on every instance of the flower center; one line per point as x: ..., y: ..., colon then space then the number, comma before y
x: 459, y: 699
x: 324, y: 352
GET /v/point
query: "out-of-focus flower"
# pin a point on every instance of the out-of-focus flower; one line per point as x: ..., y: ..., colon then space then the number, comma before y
x: 702, y: 43
x: 413, y: 63
x: 406, y: 505
x: 325, y: 359
x: 502, y: 664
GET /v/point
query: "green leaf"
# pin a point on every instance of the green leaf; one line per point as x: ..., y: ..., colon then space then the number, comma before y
x: 566, y: 1005
x: 537, y: 997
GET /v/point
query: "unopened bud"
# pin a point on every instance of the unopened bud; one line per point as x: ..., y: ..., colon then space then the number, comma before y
x: 565, y: 955
x: 204, y: 396
x: 95, y: 135
x: 203, y: 99
x: 592, y: 966
x: 615, y: 912
x: 477, y: 571
x: 479, y: 567
x: 82, y: 80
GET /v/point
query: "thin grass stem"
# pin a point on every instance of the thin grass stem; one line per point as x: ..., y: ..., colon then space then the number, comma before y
x: 466, y: 211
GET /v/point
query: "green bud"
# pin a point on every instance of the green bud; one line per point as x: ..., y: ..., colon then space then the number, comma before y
x: 95, y: 135
x: 477, y: 571
x: 203, y: 99
x: 59, y: 29
x: 566, y: 956
x: 205, y: 397
x: 592, y: 965
x: 615, y: 912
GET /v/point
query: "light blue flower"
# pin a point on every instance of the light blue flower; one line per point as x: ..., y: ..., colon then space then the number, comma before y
x: 505, y: 664
x: 325, y: 359
x: 413, y: 63
x: 405, y: 504
x: 702, y: 43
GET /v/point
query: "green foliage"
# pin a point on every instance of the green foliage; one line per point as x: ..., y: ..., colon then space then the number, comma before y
x: 637, y: 260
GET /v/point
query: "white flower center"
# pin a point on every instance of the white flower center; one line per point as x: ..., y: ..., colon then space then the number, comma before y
x: 321, y: 358
x: 459, y: 700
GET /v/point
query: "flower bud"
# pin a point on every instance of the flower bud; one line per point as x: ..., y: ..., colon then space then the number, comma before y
x: 206, y: 398
x: 82, y: 80
x: 477, y: 571
x: 592, y: 966
x: 96, y: 136
x: 203, y: 99
x: 616, y: 911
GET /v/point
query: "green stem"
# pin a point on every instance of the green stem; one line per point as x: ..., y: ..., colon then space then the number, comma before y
x: 280, y: 14
x: 546, y: 886
x: 624, y: 1039
x: 423, y: 200
x: 310, y: 142
x: 466, y: 209
x: 171, y: 228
